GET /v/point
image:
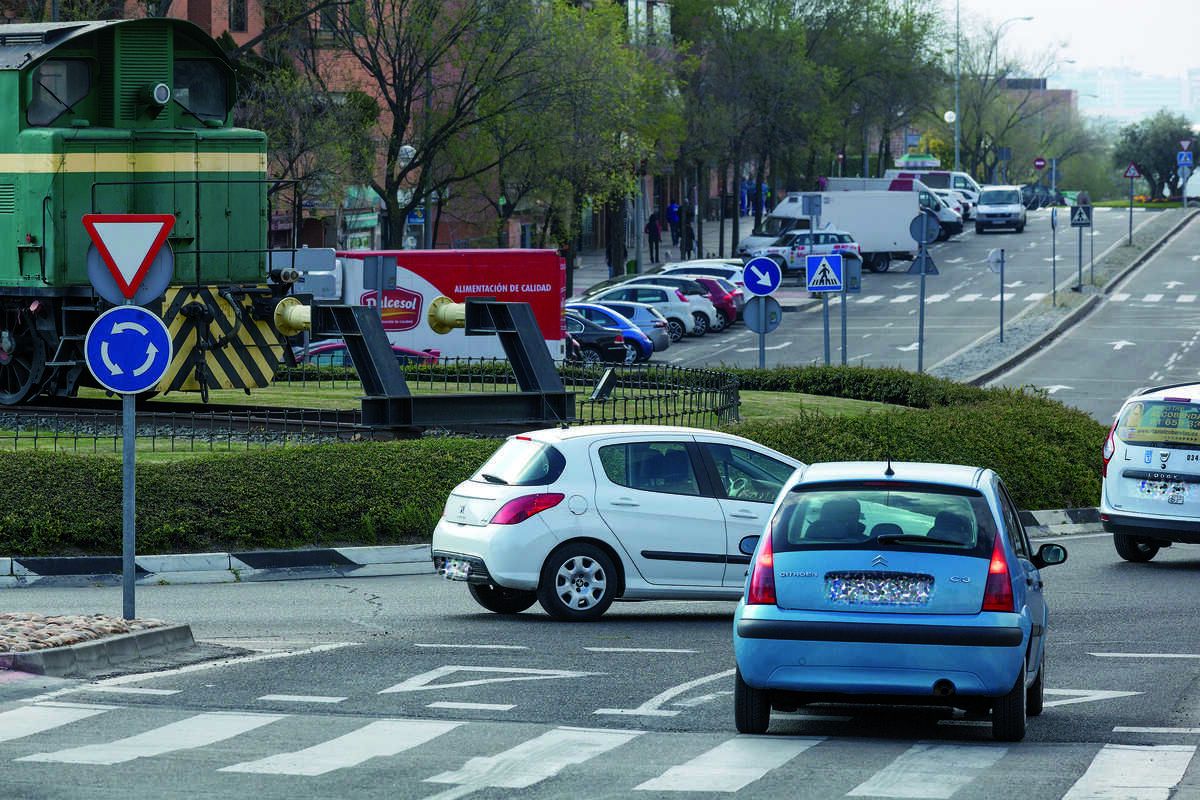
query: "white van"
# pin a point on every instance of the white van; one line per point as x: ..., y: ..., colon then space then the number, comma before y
x: 941, y: 179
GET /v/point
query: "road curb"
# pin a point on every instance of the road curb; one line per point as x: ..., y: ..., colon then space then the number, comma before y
x: 253, y: 565
x: 95, y: 656
x: 1077, y: 315
x: 1061, y: 522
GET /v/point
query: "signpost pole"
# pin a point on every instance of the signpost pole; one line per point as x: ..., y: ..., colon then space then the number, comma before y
x: 1053, y: 261
x: 1002, y: 295
x: 845, y: 297
x: 128, y: 519
x: 921, y: 316
x: 1092, y: 256
x: 1079, y: 263
x: 761, y: 302
x: 1131, y: 212
x: 825, y: 315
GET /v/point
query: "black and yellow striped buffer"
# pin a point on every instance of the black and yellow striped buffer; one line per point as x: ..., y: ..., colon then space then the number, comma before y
x: 218, y: 343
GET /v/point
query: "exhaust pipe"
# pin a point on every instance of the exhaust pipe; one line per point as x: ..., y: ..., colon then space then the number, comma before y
x: 943, y: 688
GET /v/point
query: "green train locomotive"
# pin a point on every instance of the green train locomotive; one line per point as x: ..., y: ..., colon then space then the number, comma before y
x: 130, y: 116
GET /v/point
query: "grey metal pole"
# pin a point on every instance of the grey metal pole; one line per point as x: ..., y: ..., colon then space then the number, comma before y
x: 825, y: 316
x: 1131, y: 212
x: 762, y: 336
x: 1092, y: 257
x: 1079, y: 263
x: 1054, y: 265
x: 128, y: 519
x: 957, y: 81
x: 844, y: 298
x: 924, y: 254
x: 1001, y: 295
x: 638, y: 224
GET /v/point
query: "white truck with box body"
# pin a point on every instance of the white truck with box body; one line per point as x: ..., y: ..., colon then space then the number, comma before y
x: 878, y: 221
x: 951, y: 221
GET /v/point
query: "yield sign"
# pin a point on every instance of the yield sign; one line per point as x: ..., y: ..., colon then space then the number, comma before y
x: 128, y: 244
x: 1132, y: 171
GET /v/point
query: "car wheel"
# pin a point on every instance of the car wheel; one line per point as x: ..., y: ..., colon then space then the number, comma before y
x: 1035, y: 697
x: 1131, y: 548
x: 502, y: 600
x: 1008, y: 713
x: 701, y: 323
x: 631, y: 354
x: 591, y: 355
x: 1021, y: 228
x: 882, y: 262
x: 577, y: 584
x: 722, y: 321
x: 751, y: 707
x: 675, y: 330
x: 978, y: 228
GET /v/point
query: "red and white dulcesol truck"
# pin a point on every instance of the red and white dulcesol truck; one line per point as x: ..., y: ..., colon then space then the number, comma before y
x: 536, y: 277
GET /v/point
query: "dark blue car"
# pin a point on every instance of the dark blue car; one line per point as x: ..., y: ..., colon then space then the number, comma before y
x: 611, y: 319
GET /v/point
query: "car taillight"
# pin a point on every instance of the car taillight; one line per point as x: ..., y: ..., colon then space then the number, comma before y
x: 682, y: 297
x: 522, y: 508
x: 729, y: 297
x: 620, y: 339
x: 1110, y: 447
x: 997, y: 593
x: 660, y: 323
x: 762, y: 577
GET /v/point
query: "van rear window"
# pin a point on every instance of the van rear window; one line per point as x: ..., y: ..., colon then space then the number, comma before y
x: 873, y: 515
x: 1157, y: 423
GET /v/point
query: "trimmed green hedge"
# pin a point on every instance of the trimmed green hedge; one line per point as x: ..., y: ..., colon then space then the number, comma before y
x: 387, y: 493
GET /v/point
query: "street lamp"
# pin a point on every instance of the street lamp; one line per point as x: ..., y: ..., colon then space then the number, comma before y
x: 958, y: 75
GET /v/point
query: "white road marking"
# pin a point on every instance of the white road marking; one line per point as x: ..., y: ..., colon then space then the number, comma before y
x: 903, y: 298
x: 635, y: 650
x: 1132, y: 773
x: 430, y: 645
x: 1186, y: 298
x: 692, y: 702
x: 731, y: 765
x: 1014, y: 285
x: 967, y: 298
x: 908, y: 348
x: 1145, y: 655
x: 1134, y: 729
x: 425, y: 680
x: 532, y: 761
x: 1152, y: 298
x: 871, y: 298
x: 26, y: 721
x: 768, y: 347
x: 1119, y: 297
x: 472, y: 706
x: 930, y: 771
x: 1122, y: 344
x: 1084, y: 696
x: 958, y: 260
x: 385, y: 737
x: 1172, y: 284
x: 299, y: 698
x: 186, y: 734
x: 936, y: 298
x: 1033, y: 297
x: 132, y: 690
x: 653, y: 706
x: 1007, y: 296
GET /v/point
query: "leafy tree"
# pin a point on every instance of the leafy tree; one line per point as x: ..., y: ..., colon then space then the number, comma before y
x: 1152, y: 144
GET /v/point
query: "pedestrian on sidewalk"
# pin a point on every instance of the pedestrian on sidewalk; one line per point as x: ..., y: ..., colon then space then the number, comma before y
x: 687, y: 240
x: 673, y: 222
x: 654, y: 234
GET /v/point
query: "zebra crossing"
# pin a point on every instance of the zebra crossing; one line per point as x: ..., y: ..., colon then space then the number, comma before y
x: 441, y: 757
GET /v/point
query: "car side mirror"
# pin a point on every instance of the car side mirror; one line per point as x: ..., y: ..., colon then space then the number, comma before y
x: 1048, y: 555
x: 748, y: 543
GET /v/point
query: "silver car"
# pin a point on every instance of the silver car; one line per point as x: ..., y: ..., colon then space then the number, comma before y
x: 1000, y: 207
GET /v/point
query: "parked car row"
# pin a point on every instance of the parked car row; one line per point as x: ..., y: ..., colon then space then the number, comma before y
x: 856, y: 581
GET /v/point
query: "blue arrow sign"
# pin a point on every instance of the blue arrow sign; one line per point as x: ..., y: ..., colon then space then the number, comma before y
x: 762, y: 276
x: 1183, y: 158
x: 128, y: 349
x: 824, y: 273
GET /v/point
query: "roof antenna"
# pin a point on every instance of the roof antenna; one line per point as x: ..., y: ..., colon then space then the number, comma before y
x: 889, y: 472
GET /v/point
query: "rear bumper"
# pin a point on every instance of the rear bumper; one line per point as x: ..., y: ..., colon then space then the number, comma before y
x: 953, y: 635
x: 1185, y: 531
x: 994, y: 222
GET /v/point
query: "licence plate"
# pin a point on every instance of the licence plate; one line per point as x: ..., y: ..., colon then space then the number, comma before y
x: 1173, y: 493
x: 878, y: 588
x: 454, y: 569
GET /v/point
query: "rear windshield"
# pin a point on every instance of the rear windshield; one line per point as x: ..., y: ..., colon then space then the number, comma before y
x: 1006, y: 197
x: 875, y: 515
x: 777, y: 226
x: 935, y: 180
x: 1158, y: 423
x: 522, y: 462
x: 726, y: 285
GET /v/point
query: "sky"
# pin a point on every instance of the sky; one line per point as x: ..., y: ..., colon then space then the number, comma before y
x: 1096, y: 33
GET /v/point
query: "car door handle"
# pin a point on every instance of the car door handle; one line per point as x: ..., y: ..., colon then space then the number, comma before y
x: 625, y: 501
x: 743, y: 515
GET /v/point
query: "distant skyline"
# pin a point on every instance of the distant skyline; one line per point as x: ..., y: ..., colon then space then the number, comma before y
x: 1095, y: 33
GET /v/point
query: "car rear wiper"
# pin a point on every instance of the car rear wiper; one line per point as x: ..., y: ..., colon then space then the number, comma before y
x: 892, y: 538
x: 493, y: 479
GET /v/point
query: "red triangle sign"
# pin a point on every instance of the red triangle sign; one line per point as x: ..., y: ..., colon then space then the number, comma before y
x: 1132, y: 171
x: 128, y: 244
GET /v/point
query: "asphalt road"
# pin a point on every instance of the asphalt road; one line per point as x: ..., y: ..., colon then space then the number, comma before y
x: 402, y: 687
x: 962, y: 302
x: 1142, y: 335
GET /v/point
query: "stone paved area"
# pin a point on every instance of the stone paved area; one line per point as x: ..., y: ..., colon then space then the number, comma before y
x: 21, y: 632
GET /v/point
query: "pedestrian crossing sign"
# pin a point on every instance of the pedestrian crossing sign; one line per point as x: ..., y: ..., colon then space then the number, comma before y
x: 824, y: 273
x: 1081, y: 216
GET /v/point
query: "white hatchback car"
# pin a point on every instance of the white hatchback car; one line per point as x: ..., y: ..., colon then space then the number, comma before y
x: 575, y: 518
x: 680, y: 309
x: 1150, y: 494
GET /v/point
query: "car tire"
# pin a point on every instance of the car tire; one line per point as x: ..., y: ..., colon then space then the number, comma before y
x: 676, y: 330
x: 578, y: 583
x: 722, y: 321
x: 701, y: 323
x: 1008, y: 712
x: 882, y: 262
x: 751, y: 707
x: 591, y: 356
x: 631, y: 354
x: 502, y: 600
x: 1133, y: 548
x: 978, y: 228
x: 1021, y: 228
x: 1035, y: 696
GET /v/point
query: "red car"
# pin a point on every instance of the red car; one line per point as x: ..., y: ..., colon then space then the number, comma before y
x: 333, y: 352
x: 726, y: 298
